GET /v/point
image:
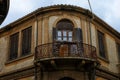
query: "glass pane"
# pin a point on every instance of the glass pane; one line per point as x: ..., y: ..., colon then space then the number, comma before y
x: 59, y: 38
x: 59, y: 33
x: 64, y: 38
x: 70, y: 39
x: 70, y: 33
x: 64, y: 33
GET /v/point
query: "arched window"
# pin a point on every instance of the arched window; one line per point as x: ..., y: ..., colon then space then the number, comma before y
x: 64, y: 30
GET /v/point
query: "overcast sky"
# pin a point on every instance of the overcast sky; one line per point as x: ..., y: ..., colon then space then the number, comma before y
x: 107, y: 10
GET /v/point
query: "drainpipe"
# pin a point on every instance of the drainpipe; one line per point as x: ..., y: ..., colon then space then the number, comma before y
x: 35, y: 63
x: 90, y: 21
x: 36, y: 30
x: 93, y: 67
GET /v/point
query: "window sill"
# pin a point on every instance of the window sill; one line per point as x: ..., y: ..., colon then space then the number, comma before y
x: 103, y: 59
x: 18, y: 59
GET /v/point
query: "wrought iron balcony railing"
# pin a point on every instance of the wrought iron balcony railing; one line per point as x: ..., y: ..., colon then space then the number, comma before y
x: 65, y: 50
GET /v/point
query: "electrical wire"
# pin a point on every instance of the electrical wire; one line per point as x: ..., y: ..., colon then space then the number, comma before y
x: 90, y: 22
x: 91, y: 9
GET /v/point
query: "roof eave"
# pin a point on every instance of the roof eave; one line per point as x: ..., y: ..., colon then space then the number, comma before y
x: 61, y: 7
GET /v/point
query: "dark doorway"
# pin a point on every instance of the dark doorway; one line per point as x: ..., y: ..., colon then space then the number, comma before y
x: 66, y: 78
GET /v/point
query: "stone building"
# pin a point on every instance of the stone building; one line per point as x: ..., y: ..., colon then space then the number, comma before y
x: 60, y: 42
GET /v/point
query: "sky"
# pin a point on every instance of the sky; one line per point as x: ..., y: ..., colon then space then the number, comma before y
x: 107, y: 10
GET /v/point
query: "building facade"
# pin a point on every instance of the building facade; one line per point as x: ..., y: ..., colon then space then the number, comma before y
x: 60, y: 42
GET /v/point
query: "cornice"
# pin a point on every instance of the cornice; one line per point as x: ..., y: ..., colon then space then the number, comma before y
x: 61, y: 7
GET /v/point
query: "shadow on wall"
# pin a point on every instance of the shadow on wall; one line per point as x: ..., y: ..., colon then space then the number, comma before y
x: 66, y: 78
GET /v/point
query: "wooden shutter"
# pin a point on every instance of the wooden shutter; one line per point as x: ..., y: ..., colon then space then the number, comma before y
x: 26, y: 41
x: 118, y: 49
x: 14, y: 46
x: 54, y: 34
x: 77, y: 35
x: 101, y: 44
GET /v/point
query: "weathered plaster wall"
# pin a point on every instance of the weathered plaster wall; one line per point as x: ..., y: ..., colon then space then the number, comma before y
x: 112, y: 54
x: 13, y: 66
x: 3, y: 52
x: 20, y: 62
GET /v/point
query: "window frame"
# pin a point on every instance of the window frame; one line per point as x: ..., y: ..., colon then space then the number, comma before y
x: 62, y: 26
x: 105, y: 57
x: 118, y: 51
x: 63, y: 36
x: 77, y: 34
x: 9, y: 57
x: 19, y: 51
x: 22, y: 55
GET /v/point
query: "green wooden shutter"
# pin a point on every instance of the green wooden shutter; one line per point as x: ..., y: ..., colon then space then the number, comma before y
x: 54, y: 34
x: 101, y: 44
x: 118, y: 49
x: 77, y: 35
x: 26, y: 41
x: 14, y: 46
x: 55, y: 48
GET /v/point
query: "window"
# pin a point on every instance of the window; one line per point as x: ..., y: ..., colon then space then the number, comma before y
x: 26, y: 41
x: 101, y: 44
x: 14, y: 46
x: 65, y: 31
x: 118, y: 49
x: 25, y: 44
x: 64, y: 35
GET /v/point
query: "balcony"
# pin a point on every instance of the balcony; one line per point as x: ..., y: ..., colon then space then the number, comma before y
x: 65, y: 54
